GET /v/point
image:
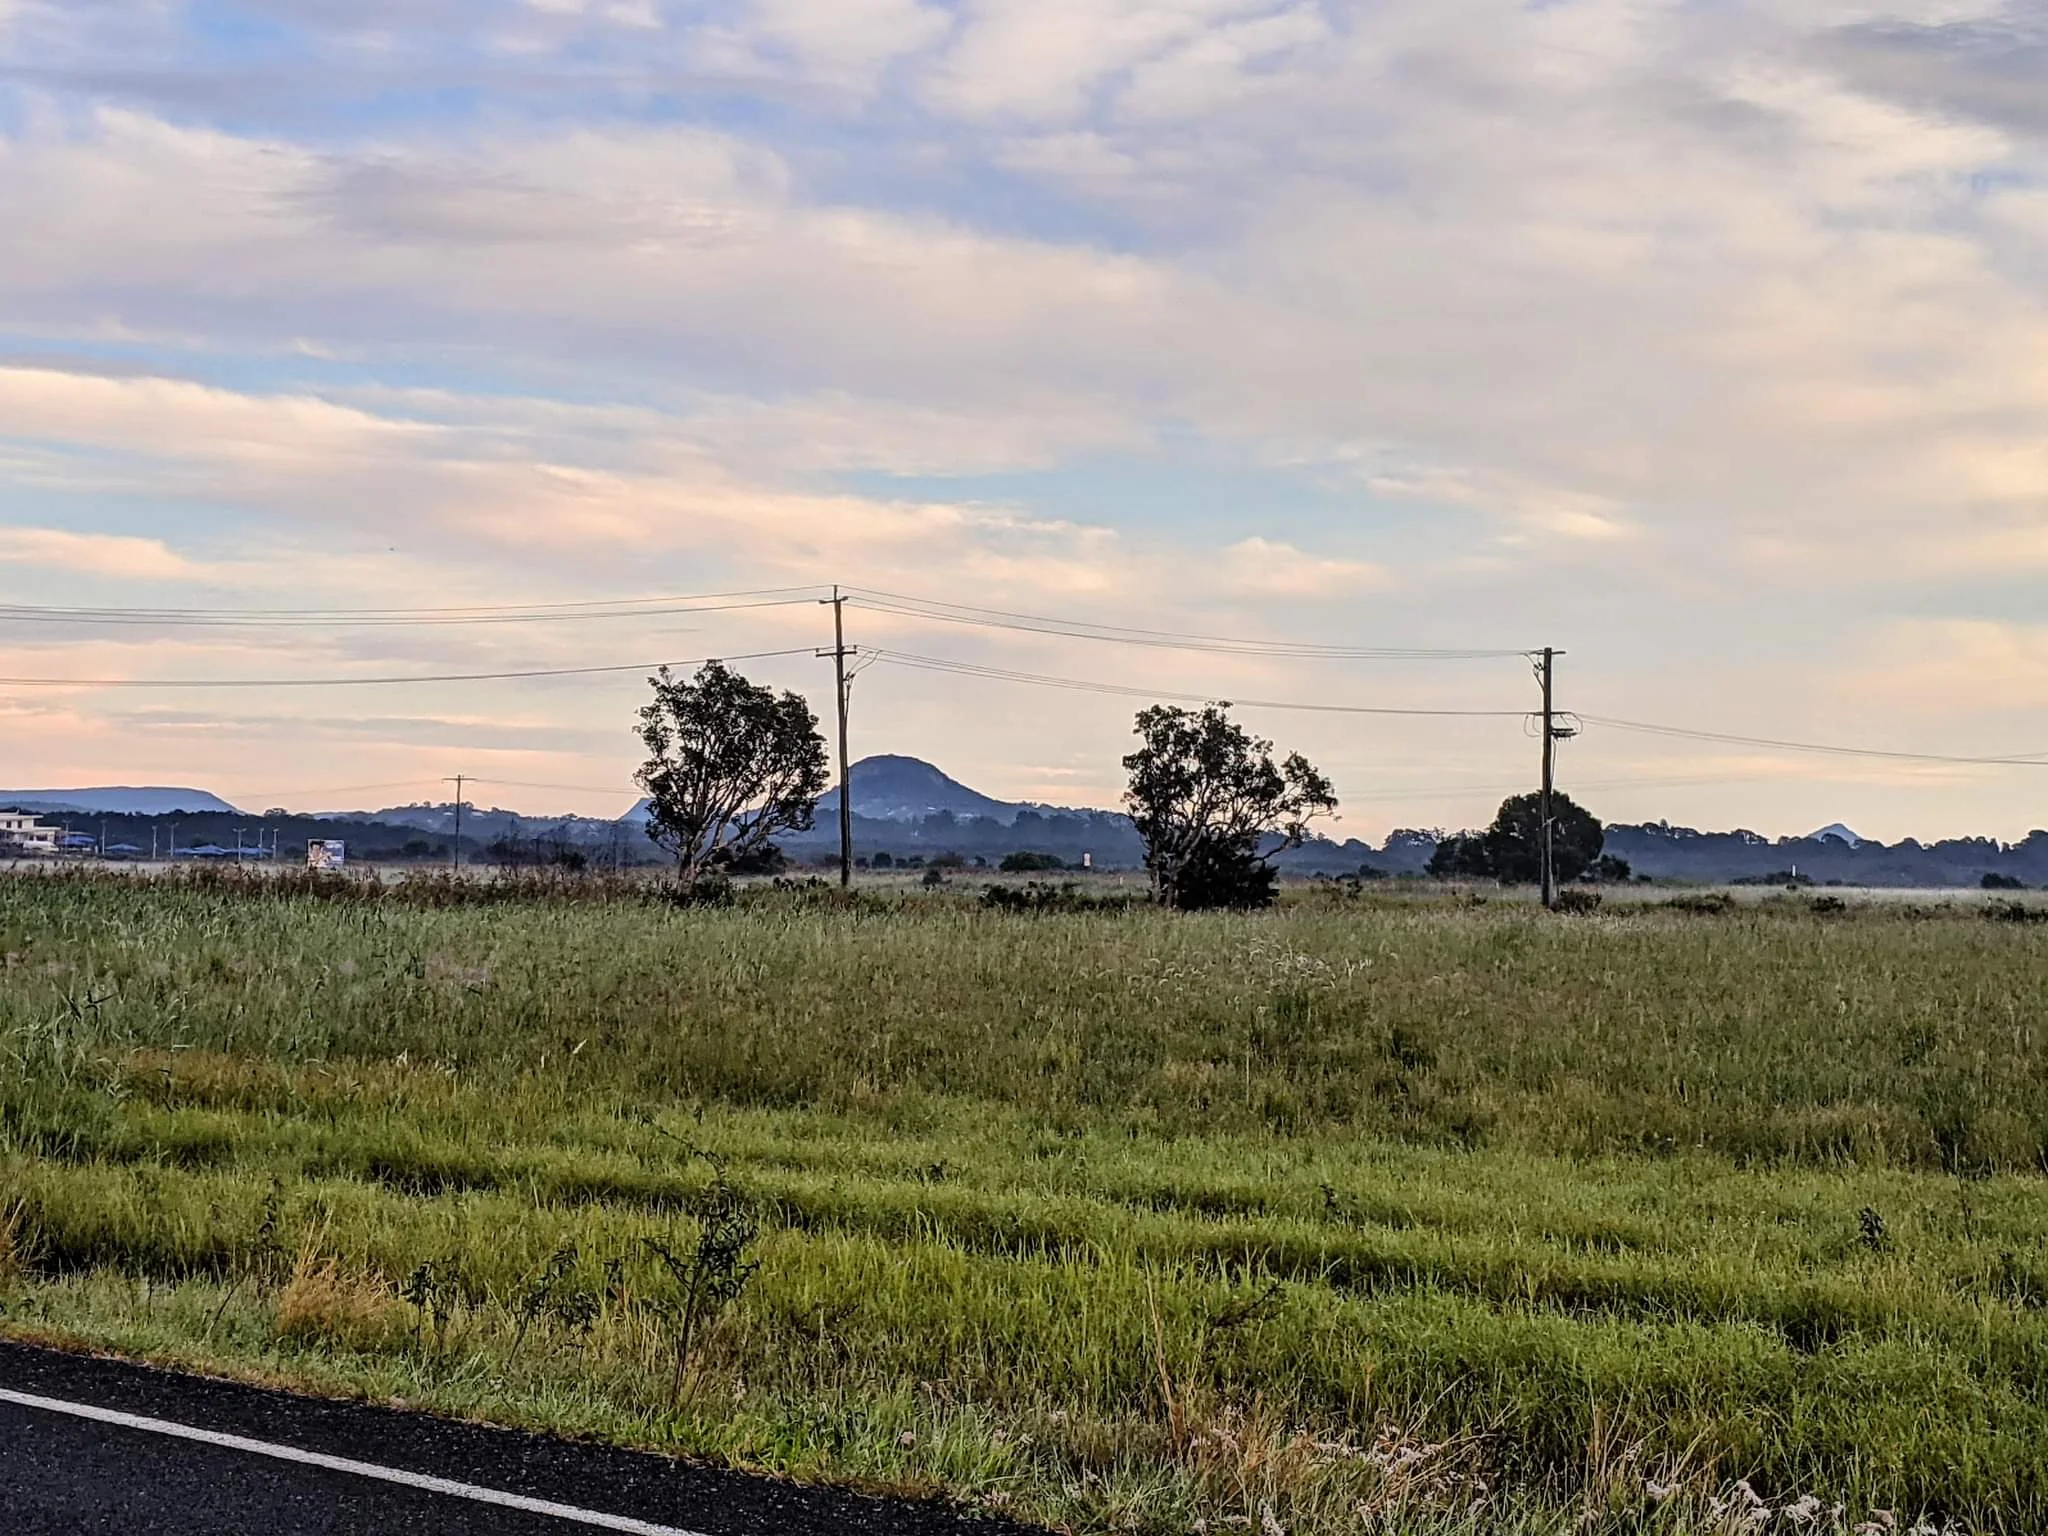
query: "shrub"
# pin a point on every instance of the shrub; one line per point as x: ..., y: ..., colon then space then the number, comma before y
x: 1993, y: 881
x: 1703, y: 903
x: 1037, y: 898
x: 1026, y: 862
x: 2015, y: 912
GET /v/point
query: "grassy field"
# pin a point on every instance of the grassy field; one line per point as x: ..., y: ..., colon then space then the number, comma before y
x: 1367, y: 1214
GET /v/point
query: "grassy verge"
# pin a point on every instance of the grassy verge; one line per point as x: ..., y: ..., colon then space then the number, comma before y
x: 1410, y: 1217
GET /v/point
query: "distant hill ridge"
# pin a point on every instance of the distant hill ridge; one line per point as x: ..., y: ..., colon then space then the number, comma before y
x: 889, y: 787
x: 117, y: 800
x: 904, y: 805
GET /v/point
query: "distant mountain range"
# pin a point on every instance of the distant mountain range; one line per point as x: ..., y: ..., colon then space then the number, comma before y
x: 906, y: 807
x: 116, y: 800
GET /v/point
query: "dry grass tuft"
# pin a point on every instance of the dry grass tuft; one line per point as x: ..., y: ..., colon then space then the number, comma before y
x: 13, y: 1261
x: 327, y: 1303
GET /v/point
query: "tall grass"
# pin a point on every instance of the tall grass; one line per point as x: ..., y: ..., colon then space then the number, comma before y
x: 1407, y: 1216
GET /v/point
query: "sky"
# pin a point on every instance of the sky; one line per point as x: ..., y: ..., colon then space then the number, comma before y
x: 1706, y: 342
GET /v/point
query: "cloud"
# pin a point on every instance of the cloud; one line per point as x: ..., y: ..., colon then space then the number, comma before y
x: 1713, y: 305
x: 95, y: 554
x: 1960, y: 669
x: 1274, y: 569
x: 847, y: 42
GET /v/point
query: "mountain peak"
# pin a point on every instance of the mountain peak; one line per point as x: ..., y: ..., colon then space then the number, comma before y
x: 892, y: 787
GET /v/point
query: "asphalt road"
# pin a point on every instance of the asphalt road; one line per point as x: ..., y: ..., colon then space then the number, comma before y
x: 60, y: 1473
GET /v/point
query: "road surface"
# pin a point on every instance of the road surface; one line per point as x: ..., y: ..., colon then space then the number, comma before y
x: 98, y: 1446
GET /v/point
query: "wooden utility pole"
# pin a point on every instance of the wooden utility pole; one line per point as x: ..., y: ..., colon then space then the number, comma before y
x: 839, y: 652
x: 1553, y: 733
x: 1549, y: 775
x: 455, y: 848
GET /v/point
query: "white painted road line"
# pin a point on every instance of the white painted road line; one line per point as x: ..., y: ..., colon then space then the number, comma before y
x: 442, y: 1485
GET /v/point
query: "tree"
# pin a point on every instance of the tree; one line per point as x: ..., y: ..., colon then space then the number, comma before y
x: 1461, y: 856
x: 729, y: 765
x: 1511, y: 850
x: 1204, y: 795
x: 1514, y: 843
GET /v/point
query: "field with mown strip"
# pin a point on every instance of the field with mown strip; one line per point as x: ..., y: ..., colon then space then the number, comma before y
x: 1398, y: 1215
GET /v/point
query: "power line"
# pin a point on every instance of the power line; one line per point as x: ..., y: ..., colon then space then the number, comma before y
x: 579, y: 789
x: 313, y: 618
x: 2017, y: 760
x: 344, y: 789
x: 1002, y: 674
x: 353, y: 682
x: 1078, y: 629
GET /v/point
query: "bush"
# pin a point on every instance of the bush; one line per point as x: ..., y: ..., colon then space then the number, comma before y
x: 1703, y: 904
x: 1993, y: 881
x: 1219, y: 875
x: 712, y: 890
x: 1026, y: 862
x: 1573, y: 901
x: 764, y: 860
x: 2015, y: 912
x: 1038, y: 898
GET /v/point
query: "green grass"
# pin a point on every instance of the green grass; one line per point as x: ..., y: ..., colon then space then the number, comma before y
x: 1110, y: 1220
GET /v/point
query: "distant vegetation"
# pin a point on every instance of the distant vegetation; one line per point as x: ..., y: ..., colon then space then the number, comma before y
x: 1372, y: 1213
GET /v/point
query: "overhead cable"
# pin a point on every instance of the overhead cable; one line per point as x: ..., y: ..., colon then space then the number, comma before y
x: 1039, y: 680
x: 2016, y: 760
x: 359, y: 618
x: 1079, y: 629
x: 354, y: 682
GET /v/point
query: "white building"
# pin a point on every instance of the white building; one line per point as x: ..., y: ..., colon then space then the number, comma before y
x: 25, y: 831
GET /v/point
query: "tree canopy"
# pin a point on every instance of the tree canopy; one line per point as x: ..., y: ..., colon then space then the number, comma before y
x: 1511, y: 850
x: 729, y: 765
x: 1206, y: 797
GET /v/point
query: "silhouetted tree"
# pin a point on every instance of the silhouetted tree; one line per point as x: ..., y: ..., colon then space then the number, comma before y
x: 1204, y: 795
x: 1461, y: 856
x: 1514, y: 843
x: 729, y: 765
x: 1511, y: 850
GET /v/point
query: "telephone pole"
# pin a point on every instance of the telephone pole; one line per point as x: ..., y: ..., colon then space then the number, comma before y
x: 1553, y: 733
x: 455, y: 848
x: 839, y: 652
